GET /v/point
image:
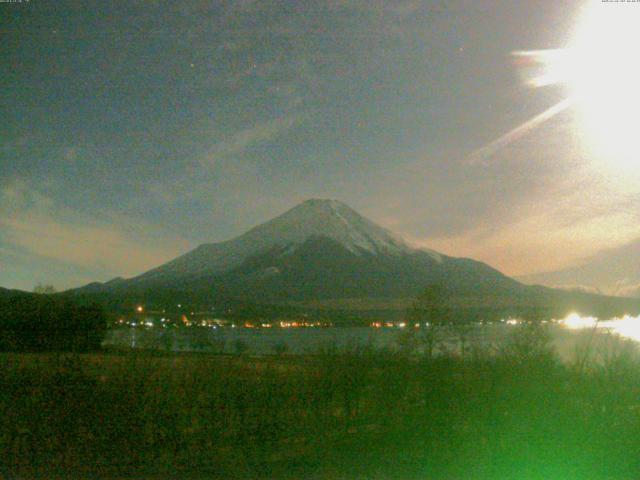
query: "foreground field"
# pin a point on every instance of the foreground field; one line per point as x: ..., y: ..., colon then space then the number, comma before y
x: 514, y: 413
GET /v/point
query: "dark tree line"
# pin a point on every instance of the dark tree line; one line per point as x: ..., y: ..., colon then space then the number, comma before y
x: 45, y: 323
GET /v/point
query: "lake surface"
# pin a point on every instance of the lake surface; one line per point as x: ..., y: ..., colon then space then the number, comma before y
x: 258, y: 341
x: 569, y: 336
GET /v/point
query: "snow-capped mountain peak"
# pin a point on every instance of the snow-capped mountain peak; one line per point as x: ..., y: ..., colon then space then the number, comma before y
x: 311, y: 218
x: 327, y: 218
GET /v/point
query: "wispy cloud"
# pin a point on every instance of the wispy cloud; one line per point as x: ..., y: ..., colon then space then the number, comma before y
x: 237, y: 143
x: 32, y: 222
x: 543, y: 238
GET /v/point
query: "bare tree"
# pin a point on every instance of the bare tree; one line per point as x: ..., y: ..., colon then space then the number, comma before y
x: 44, y: 289
x: 431, y: 312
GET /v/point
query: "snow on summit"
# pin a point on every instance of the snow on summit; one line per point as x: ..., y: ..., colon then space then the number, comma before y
x: 312, y: 218
x: 328, y: 218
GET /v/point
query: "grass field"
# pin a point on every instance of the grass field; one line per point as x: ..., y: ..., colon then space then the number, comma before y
x: 512, y: 413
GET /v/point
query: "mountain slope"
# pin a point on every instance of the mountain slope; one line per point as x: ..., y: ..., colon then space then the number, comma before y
x: 7, y: 293
x: 323, y: 268
x: 318, y: 249
x: 613, y: 272
x: 323, y: 252
x: 328, y: 218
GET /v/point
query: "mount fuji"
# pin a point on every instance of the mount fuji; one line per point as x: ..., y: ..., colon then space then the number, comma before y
x: 323, y: 254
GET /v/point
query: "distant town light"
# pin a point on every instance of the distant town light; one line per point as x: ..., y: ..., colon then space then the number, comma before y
x: 139, y: 309
x: 574, y: 321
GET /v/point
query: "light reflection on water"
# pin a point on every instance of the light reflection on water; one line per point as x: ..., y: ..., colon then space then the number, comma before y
x: 626, y: 326
x: 569, y: 334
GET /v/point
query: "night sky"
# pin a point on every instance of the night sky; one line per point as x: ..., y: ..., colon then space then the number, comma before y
x: 134, y: 131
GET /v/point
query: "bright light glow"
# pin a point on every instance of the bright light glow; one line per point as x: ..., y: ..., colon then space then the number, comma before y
x: 575, y: 322
x: 601, y: 70
x: 626, y: 327
x: 139, y: 309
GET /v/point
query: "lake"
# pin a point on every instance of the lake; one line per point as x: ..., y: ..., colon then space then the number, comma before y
x: 568, y: 335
